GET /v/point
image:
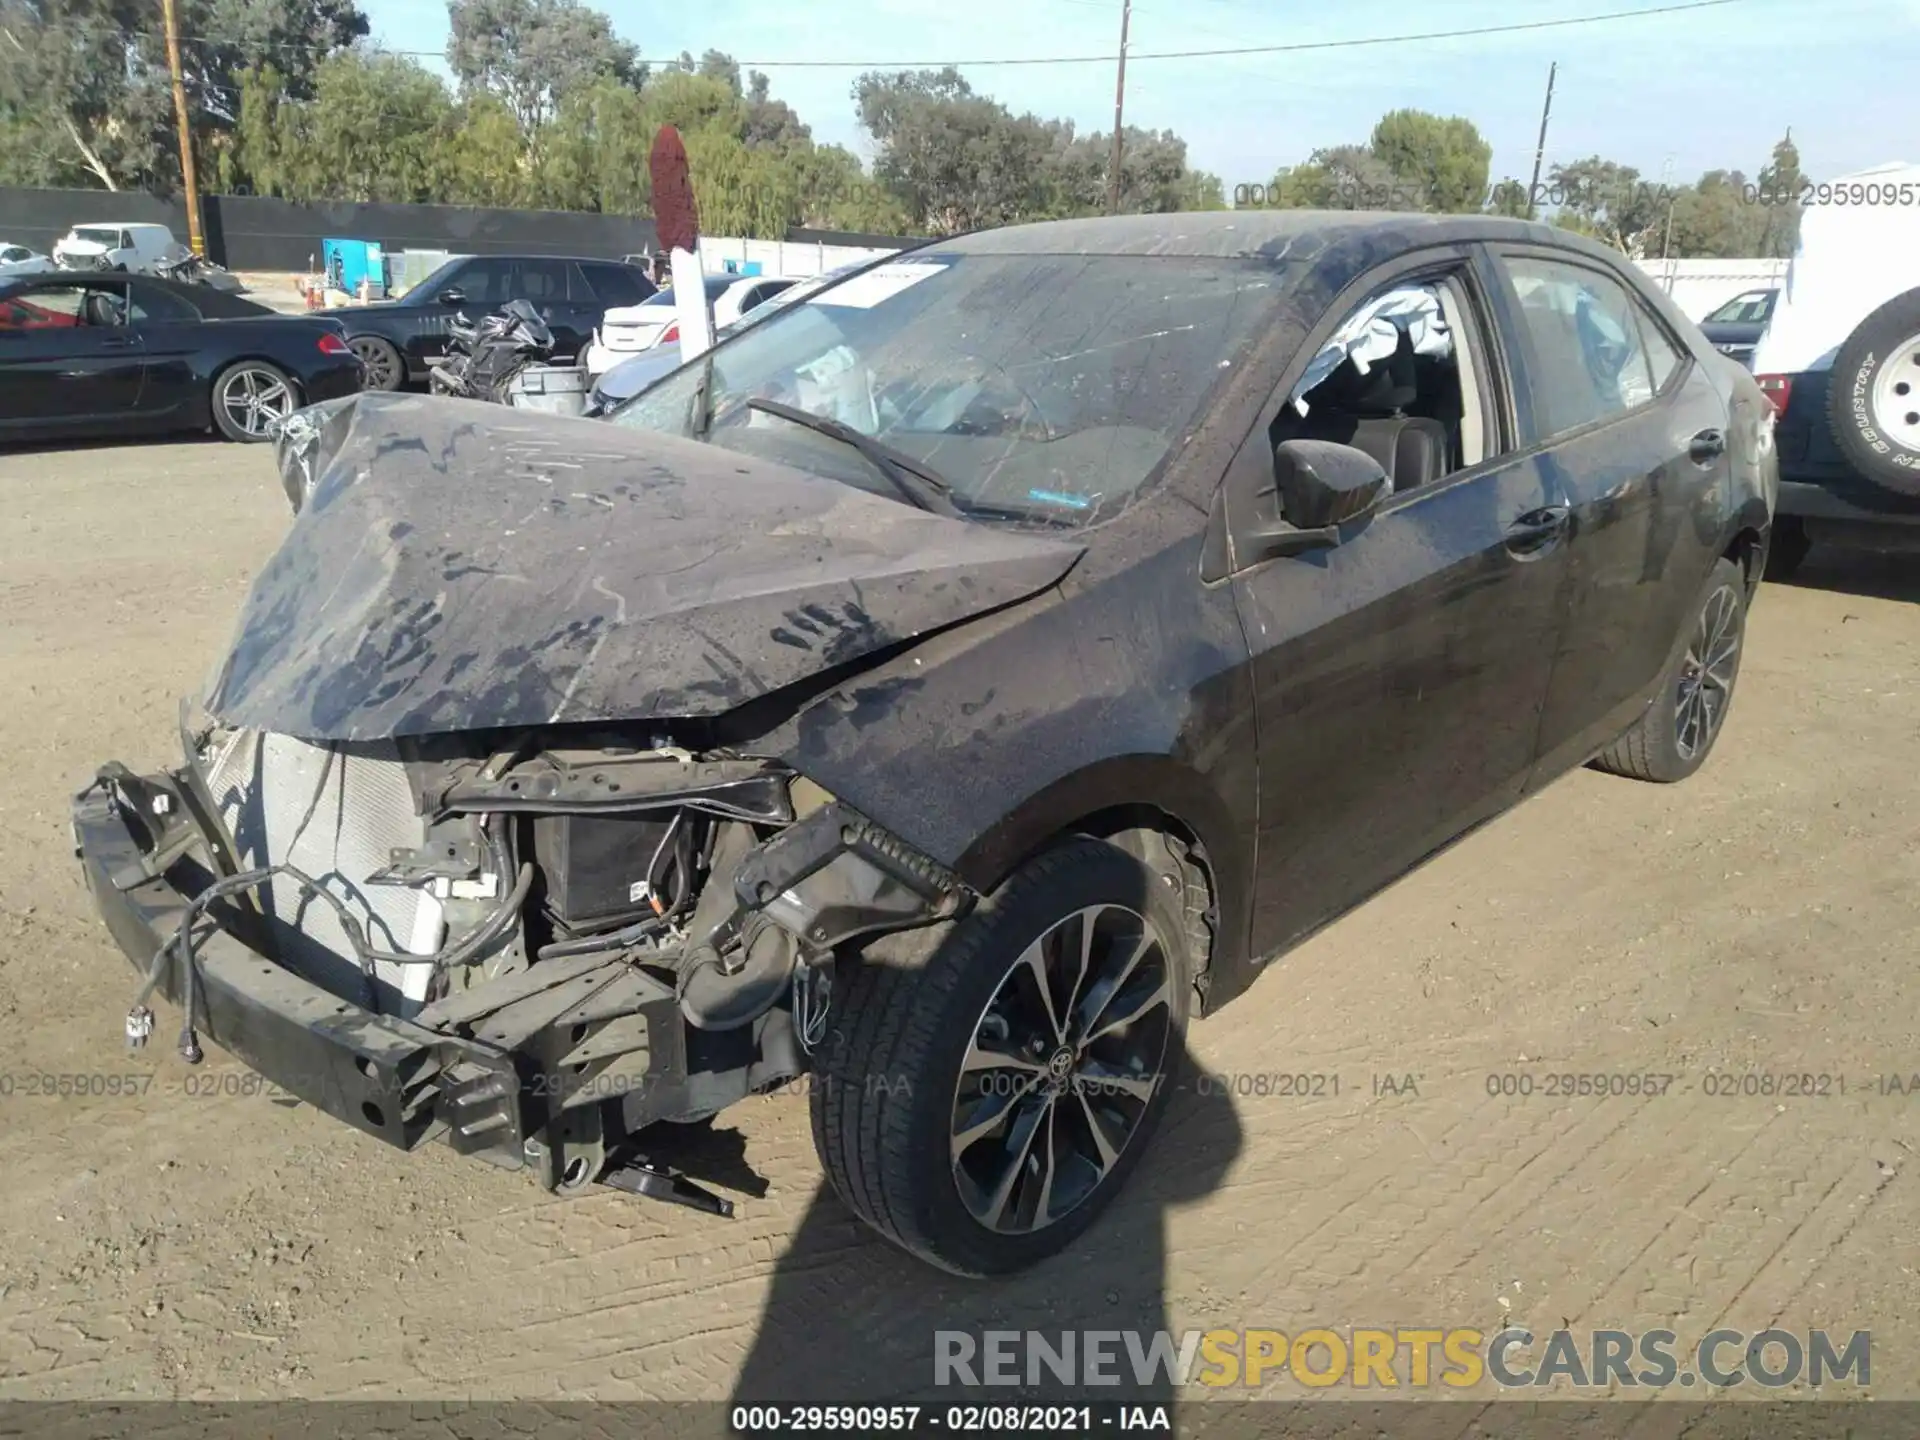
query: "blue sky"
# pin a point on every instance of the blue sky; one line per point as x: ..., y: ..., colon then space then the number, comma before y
x: 1676, y: 93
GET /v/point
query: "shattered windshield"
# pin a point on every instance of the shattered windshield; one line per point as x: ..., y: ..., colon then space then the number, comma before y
x: 97, y: 235
x: 1042, y: 388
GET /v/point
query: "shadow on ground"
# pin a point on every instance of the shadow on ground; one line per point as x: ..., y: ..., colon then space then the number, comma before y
x: 79, y: 445
x: 850, y: 1315
x: 1880, y: 574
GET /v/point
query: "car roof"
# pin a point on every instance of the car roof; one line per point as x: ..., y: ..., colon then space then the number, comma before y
x: 517, y: 255
x: 1266, y: 234
x: 212, y: 303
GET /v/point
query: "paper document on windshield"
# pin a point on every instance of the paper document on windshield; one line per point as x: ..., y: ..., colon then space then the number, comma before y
x: 883, y: 282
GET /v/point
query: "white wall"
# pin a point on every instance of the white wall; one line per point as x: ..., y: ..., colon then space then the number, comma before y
x: 1699, y: 287
x: 780, y: 257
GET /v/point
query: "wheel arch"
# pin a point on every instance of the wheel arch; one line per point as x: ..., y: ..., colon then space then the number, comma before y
x: 1745, y: 541
x: 1165, y: 815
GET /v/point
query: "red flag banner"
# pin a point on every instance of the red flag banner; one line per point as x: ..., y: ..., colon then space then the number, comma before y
x: 676, y: 218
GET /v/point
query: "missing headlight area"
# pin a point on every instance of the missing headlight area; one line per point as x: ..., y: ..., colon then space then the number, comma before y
x: 581, y: 938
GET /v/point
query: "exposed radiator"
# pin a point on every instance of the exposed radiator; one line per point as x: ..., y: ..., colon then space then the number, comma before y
x: 336, y: 813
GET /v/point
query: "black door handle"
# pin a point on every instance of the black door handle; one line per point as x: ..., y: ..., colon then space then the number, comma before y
x: 1707, y: 446
x: 1537, y: 530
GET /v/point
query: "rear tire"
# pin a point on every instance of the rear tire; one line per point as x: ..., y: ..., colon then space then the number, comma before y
x: 249, y: 394
x: 1873, y: 396
x: 385, y: 369
x: 1674, y: 736
x: 907, y: 1098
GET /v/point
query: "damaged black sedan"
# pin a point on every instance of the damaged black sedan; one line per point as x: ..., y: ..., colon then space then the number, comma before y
x: 943, y: 690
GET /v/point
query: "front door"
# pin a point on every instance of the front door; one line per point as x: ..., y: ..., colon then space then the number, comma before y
x: 67, y: 355
x: 1399, y: 676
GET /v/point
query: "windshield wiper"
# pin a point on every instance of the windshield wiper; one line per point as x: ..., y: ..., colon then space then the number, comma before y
x: 917, y: 485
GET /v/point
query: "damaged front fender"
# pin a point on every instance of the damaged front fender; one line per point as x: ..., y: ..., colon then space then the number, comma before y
x: 304, y: 441
x: 835, y: 876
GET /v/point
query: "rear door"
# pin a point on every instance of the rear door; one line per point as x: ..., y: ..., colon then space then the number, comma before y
x: 1632, y: 432
x: 547, y: 285
x: 1399, y: 675
x: 171, y: 332
x: 66, y: 355
x: 483, y: 284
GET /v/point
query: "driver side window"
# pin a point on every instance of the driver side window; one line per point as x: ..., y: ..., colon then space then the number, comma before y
x: 1402, y: 379
x: 484, y: 282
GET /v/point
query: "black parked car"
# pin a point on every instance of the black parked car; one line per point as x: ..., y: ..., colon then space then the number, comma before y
x: 1735, y: 328
x: 398, y: 341
x: 948, y: 688
x: 132, y: 354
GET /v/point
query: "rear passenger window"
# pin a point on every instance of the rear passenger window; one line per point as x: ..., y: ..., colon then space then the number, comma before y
x: 1590, y: 354
x: 1662, y: 358
x: 543, y: 281
x: 615, y: 286
x: 151, y: 304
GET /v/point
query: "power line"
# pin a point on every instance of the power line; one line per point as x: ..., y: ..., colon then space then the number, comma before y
x: 1294, y: 48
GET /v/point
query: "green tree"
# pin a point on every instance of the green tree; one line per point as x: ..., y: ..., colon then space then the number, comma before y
x: 485, y: 159
x: 372, y: 131
x: 1509, y: 198
x: 593, y: 154
x: 1340, y: 177
x: 1712, y: 219
x: 1780, y: 183
x: 956, y: 160
x: 1443, y: 159
x: 1608, y: 201
x: 772, y: 124
x: 836, y: 193
x: 1154, y: 178
x: 84, y: 92
x: 534, y: 53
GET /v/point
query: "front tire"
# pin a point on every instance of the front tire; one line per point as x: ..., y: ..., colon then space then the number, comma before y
x: 248, y: 397
x: 982, y: 1107
x: 1673, y: 738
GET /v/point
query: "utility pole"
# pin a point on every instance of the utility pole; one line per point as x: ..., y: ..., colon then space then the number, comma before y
x: 1666, y: 240
x: 1119, y: 104
x: 1540, y: 150
x: 191, y: 183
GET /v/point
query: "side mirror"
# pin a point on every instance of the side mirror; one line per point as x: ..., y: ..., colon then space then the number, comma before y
x: 1319, y: 487
x: 453, y: 295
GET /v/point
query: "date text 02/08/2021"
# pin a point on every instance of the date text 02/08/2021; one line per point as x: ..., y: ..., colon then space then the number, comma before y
x: 904, y: 1420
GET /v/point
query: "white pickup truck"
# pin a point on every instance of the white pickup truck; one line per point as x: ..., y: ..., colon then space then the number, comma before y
x: 1840, y: 359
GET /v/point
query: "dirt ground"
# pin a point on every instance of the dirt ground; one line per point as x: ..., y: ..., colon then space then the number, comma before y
x: 1758, y: 919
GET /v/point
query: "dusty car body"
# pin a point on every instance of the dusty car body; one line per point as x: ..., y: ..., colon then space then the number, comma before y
x: 567, y: 777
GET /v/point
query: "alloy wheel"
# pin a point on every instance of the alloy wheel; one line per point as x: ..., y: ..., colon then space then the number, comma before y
x: 1061, y: 1068
x: 1896, y: 395
x: 378, y: 360
x: 1706, y: 674
x: 255, y: 399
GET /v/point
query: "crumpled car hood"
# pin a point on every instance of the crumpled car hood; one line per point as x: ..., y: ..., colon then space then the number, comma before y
x: 463, y: 566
